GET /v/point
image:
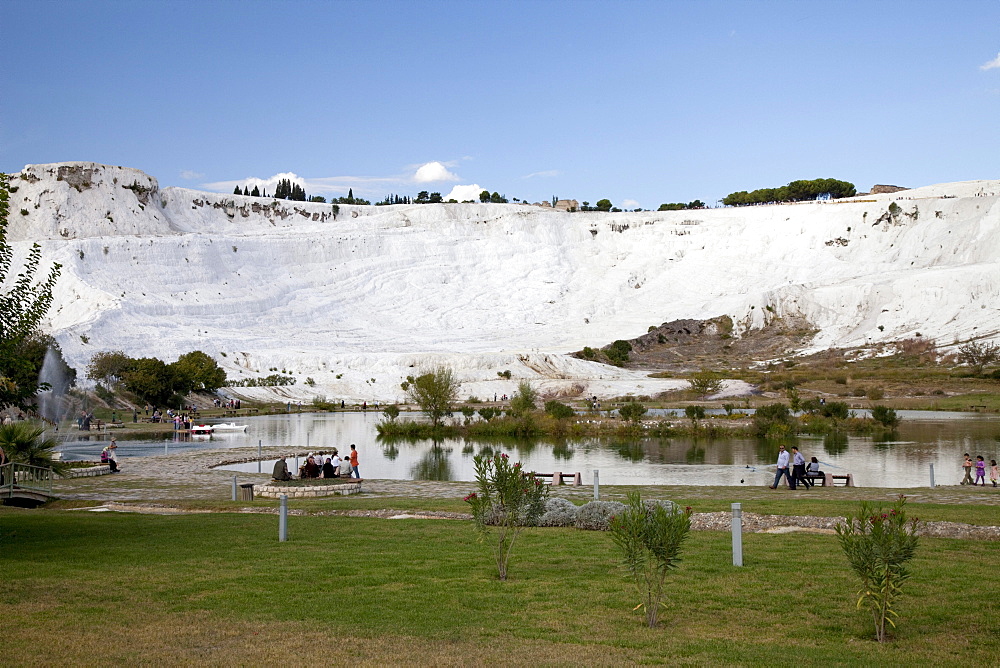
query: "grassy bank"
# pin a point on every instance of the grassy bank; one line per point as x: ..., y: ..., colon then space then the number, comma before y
x: 84, y: 588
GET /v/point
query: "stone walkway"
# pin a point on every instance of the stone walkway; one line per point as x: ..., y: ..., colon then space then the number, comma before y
x: 191, y: 476
x: 152, y: 483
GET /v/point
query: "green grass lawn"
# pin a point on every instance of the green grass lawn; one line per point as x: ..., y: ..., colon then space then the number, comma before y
x: 85, y: 588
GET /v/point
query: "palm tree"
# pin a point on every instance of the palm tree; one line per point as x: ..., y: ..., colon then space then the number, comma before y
x: 24, y: 444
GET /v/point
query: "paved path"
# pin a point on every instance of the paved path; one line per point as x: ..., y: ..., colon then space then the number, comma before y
x: 191, y: 476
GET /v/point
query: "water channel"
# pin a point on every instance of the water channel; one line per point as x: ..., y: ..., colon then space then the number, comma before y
x: 923, y: 438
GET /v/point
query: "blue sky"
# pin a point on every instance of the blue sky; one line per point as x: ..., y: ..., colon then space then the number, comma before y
x: 638, y: 102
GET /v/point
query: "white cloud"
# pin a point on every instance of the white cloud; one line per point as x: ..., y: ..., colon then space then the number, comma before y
x: 993, y: 64
x: 463, y: 193
x: 546, y: 174
x: 630, y: 204
x: 432, y: 172
x: 188, y: 175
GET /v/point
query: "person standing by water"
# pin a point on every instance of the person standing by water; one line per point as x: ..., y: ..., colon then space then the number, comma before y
x: 967, y: 467
x: 782, y: 469
x: 993, y: 471
x: 4, y: 460
x: 354, y: 463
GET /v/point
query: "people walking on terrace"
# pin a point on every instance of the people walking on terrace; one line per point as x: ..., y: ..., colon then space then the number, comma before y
x: 782, y: 468
x: 980, y: 471
x: 799, y: 469
x: 967, y: 467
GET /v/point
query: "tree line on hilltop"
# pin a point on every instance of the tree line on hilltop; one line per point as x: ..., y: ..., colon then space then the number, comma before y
x: 288, y: 190
x: 796, y: 191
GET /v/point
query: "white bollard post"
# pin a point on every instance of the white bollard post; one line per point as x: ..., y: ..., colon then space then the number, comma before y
x: 737, y: 534
x: 932, y: 475
x: 597, y: 486
x: 234, y: 488
x: 283, y: 519
x: 258, y: 456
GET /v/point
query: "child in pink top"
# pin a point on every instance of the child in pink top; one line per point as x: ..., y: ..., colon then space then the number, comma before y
x: 980, y: 471
x: 993, y: 472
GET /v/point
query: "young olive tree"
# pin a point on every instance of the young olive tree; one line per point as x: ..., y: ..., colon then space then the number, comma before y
x: 878, y: 543
x: 977, y: 355
x: 705, y: 382
x: 505, y: 501
x: 650, y: 536
x: 434, y: 391
x: 523, y: 401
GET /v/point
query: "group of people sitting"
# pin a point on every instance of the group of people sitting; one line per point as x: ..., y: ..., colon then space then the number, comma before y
x: 314, y: 466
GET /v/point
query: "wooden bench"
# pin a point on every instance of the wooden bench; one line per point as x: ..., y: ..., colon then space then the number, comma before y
x: 559, y: 478
x: 831, y: 480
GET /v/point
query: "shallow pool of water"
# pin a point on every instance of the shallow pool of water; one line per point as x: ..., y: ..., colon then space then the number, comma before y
x: 924, y: 438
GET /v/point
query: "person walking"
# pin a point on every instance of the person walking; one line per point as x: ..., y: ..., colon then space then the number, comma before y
x: 799, y: 469
x: 993, y: 472
x: 782, y: 468
x: 967, y: 467
x: 980, y: 471
x: 354, y: 463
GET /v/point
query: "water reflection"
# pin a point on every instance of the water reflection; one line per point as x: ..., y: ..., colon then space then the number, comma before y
x: 435, y: 464
x: 835, y: 443
x: 901, y: 459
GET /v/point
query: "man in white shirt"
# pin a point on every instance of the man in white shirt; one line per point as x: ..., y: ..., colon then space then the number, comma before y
x: 335, y: 462
x: 782, y: 468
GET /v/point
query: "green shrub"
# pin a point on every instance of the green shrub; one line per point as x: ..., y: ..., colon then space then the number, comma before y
x: 694, y: 413
x: 507, y: 499
x: 773, y: 421
x: 559, y: 410
x: 650, y: 538
x: 618, y: 352
x: 877, y: 545
x: 885, y: 416
x: 632, y: 411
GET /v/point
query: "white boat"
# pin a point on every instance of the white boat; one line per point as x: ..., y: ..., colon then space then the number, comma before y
x: 202, y: 428
x: 229, y: 426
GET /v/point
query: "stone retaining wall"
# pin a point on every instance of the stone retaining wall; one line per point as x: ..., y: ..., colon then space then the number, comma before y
x: 103, y: 469
x: 274, y: 491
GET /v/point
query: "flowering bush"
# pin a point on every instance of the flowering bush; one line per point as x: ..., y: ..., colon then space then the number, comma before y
x: 507, y: 500
x: 878, y: 544
x: 649, y: 536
